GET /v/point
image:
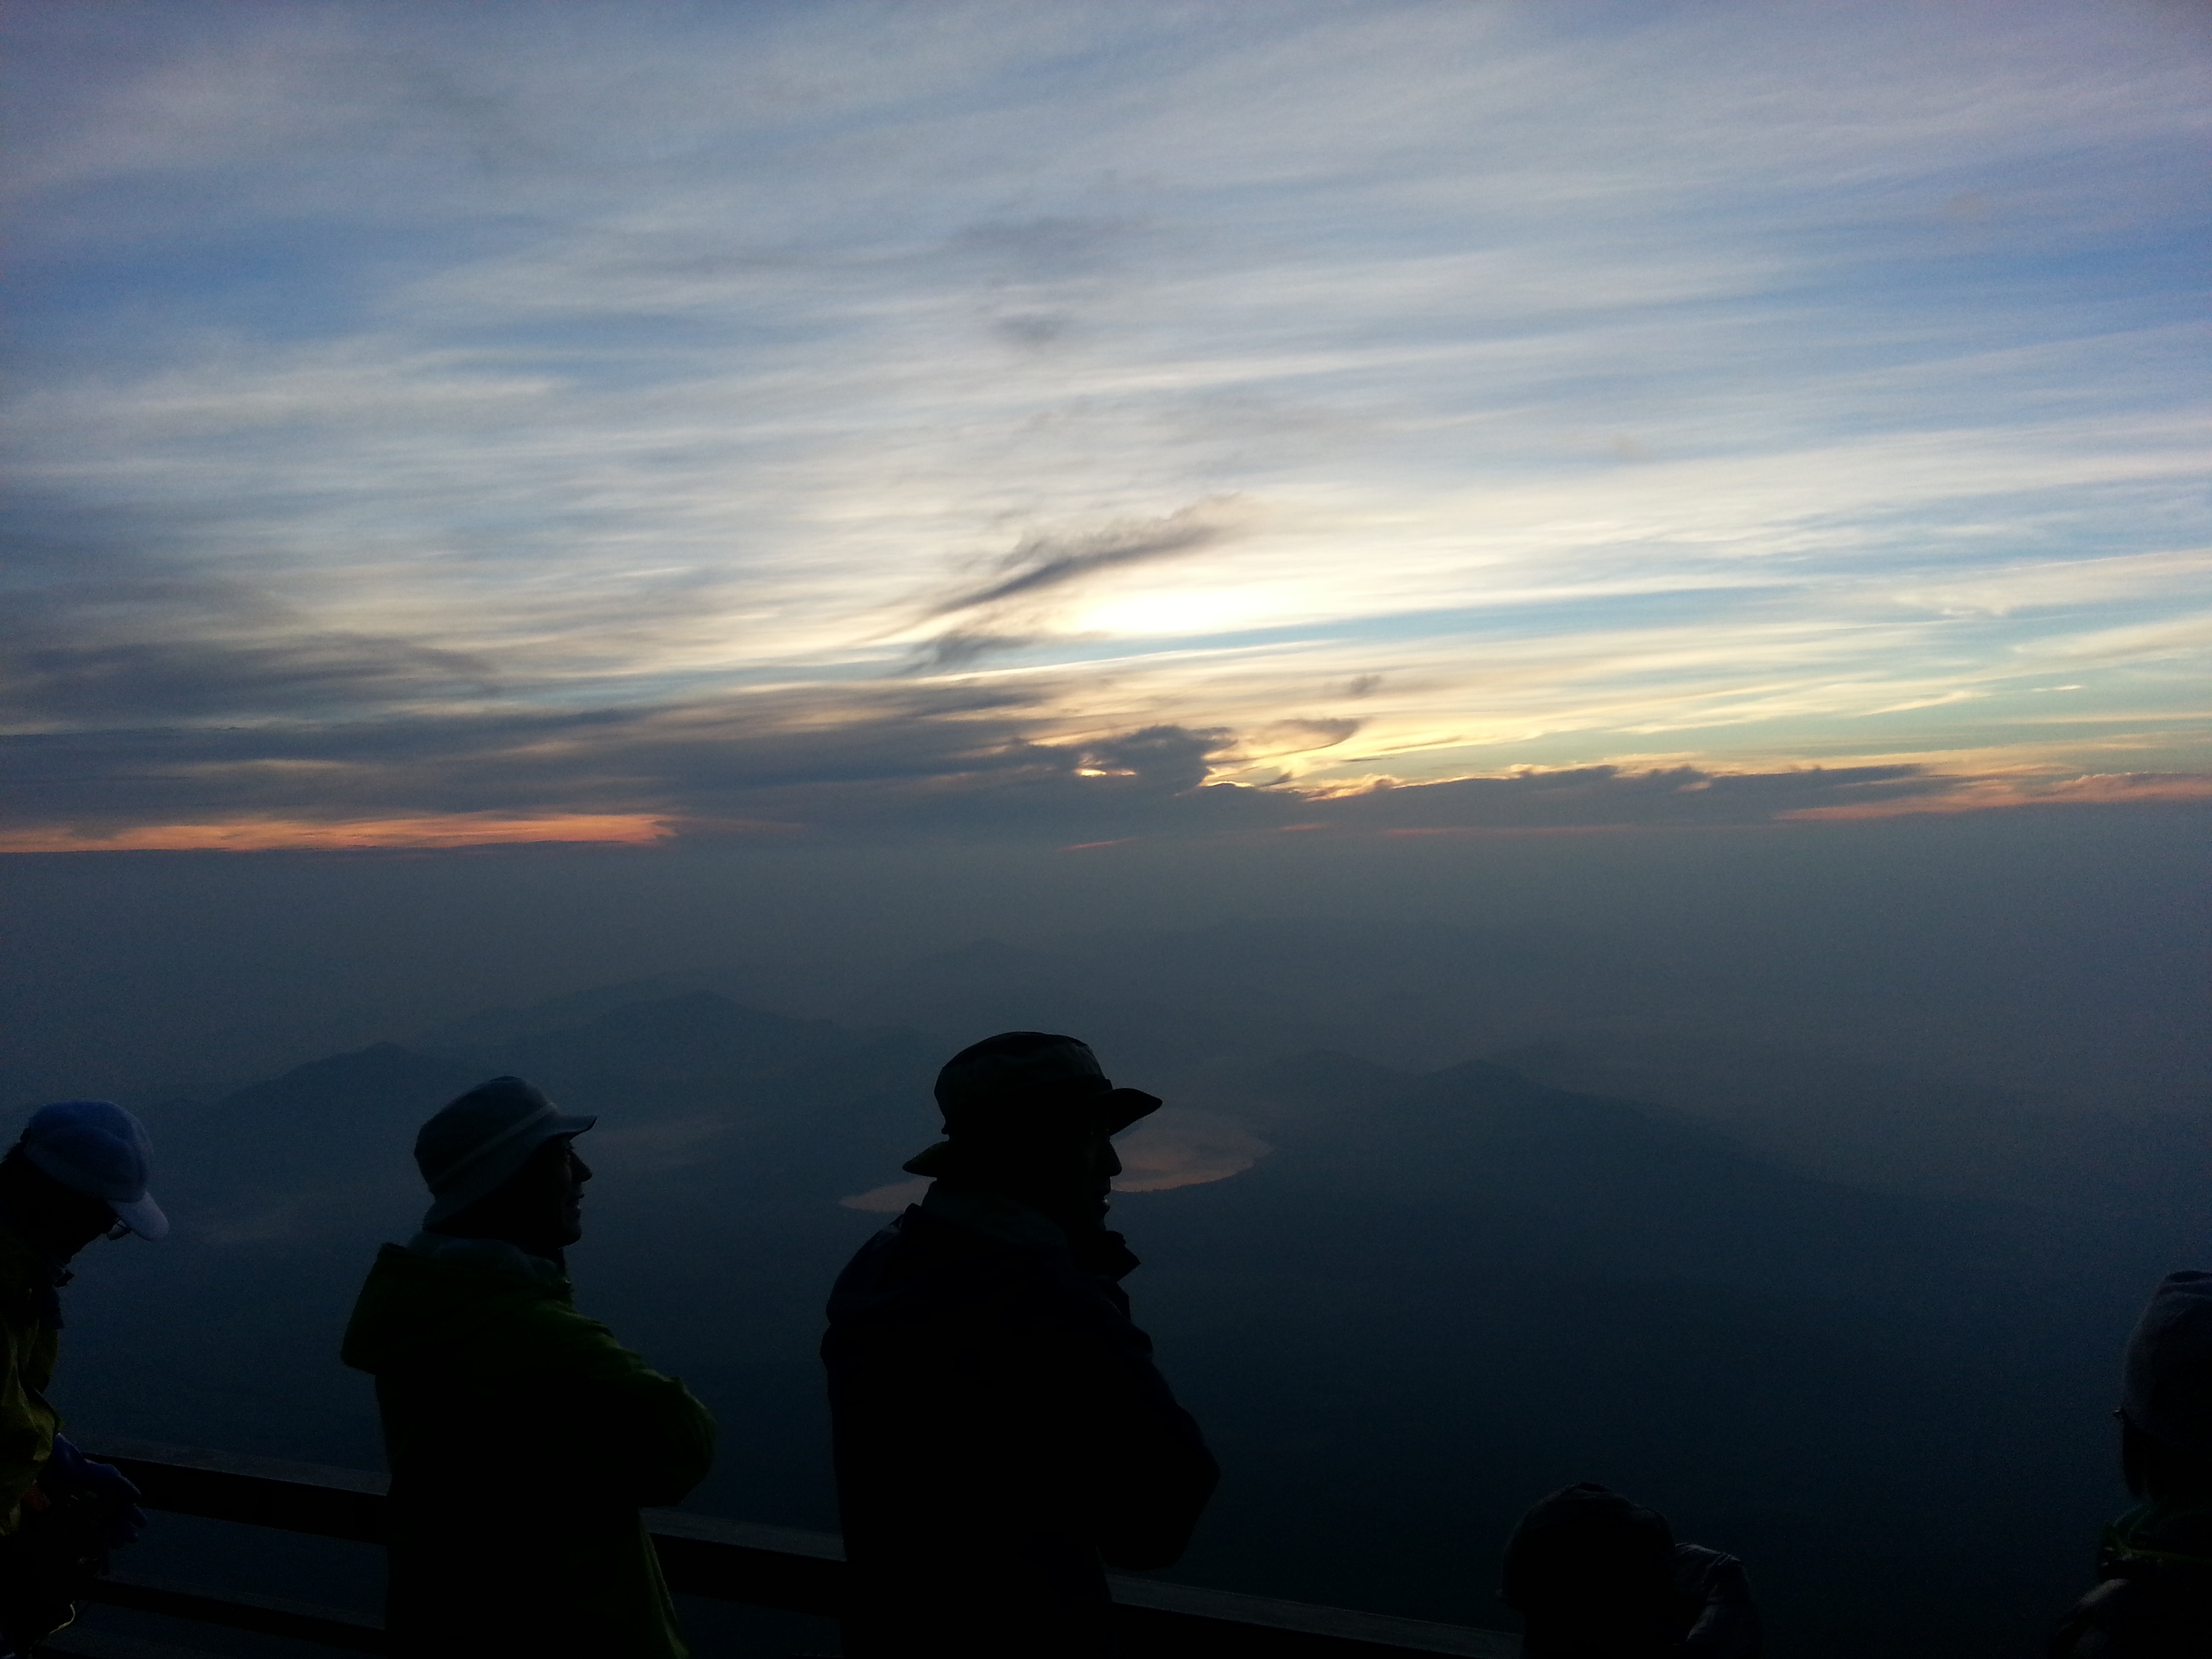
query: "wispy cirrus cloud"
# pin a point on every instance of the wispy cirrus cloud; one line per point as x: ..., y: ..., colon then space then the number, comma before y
x: 1501, y: 389
x: 1007, y: 611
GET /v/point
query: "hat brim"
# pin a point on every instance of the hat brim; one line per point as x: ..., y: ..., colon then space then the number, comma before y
x: 1117, y: 1108
x: 1113, y: 1111
x: 497, y: 1171
x: 143, y: 1217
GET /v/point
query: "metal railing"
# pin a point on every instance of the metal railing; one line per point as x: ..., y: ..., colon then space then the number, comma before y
x: 778, y: 1568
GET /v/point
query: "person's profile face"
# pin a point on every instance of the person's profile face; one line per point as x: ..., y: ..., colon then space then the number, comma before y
x: 63, y: 1219
x: 78, y: 1221
x: 554, y: 1177
x: 1102, y: 1162
x: 1098, y: 1163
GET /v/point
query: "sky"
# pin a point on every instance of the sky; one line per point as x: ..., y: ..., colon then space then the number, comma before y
x: 1073, y: 423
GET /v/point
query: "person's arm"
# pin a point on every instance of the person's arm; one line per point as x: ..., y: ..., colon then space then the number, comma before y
x: 632, y: 1430
x: 69, y: 1472
x: 1161, y: 1478
x: 1148, y: 1462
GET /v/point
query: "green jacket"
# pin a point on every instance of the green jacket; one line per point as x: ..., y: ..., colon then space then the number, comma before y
x: 522, y: 1439
x: 27, y: 1423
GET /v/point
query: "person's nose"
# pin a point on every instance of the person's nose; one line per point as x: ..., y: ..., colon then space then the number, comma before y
x: 578, y: 1169
x: 1111, y: 1165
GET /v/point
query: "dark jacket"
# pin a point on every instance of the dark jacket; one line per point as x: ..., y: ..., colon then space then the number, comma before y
x: 522, y: 1439
x: 2155, y: 1600
x: 29, y: 1321
x: 998, y: 1428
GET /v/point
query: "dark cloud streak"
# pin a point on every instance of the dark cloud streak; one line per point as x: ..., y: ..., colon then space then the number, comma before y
x: 1044, y: 562
x: 970, y: 763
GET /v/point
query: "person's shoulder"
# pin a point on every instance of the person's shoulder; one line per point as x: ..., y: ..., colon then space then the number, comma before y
x: 918, y: 1243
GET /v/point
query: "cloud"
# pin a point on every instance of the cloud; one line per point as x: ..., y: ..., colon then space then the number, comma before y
x: 554, y: 425
x: 891, y: 1200
x: 1043, y: 561
x: 1175, y: 1148
x: 982, y: 761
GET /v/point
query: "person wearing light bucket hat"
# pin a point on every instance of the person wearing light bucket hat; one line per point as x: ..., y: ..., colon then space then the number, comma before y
x: 475, y: 1147
x: 523, y: 1439
x: 1000, y: 1430
x: 77, y: 1173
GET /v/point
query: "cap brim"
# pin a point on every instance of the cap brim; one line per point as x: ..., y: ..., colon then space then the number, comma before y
x: 143, y: 1217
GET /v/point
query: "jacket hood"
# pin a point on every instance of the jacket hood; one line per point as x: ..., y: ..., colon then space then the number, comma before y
x: 416, y: 1307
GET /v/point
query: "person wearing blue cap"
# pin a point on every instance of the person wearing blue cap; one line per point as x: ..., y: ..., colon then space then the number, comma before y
x: 1000, y: 1432
x: 77, y: 1174
x: 522, y: 1437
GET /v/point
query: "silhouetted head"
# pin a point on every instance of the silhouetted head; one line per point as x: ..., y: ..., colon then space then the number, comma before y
x: 2166, y: 1393
x: 77, y: 1174
x: 1592, y: 1574
x: 501, y: 1163
x: 1031, y: 1114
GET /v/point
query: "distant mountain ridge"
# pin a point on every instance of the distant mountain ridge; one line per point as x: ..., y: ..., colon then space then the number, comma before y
x: 1436, y: 1297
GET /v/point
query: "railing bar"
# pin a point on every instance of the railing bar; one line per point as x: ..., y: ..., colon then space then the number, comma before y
x: 242, y: 1610
x: 77, y: 1642
x: 783, y: 1568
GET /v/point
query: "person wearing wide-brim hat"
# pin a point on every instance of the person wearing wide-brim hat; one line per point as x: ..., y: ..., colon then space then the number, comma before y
x: 523, y: 1439
x: 77, y: 1173
x: 1001, y: 1434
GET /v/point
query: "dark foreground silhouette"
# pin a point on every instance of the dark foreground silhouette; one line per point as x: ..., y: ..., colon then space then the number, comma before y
x: 77, y: 1174
x: 2154, y: 1600
x: 522, y: 1438
x: 1596, y: 1577
x: 999, y: 1427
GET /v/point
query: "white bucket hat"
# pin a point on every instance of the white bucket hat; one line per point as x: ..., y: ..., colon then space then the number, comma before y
x: 476, y: 1144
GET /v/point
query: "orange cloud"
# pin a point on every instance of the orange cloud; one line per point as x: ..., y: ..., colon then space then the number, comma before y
x: 269, y: 835
x: 1988, y: 793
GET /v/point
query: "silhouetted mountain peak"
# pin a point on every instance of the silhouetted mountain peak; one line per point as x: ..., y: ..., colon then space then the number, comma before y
x: 379, y: 1069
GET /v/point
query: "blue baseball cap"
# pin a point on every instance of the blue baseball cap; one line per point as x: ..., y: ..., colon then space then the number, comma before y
x: 96, y: 1148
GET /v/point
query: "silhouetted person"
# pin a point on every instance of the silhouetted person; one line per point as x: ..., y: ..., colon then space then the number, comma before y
x: 1596, y: 1577
x: 522, y: 1437
x: 999, y: 1427
x: 2155, y: 1564
x: 77, y: 1174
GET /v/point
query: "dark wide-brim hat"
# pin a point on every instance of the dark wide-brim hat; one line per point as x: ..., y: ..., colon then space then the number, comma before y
x: 1020, y: 1084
